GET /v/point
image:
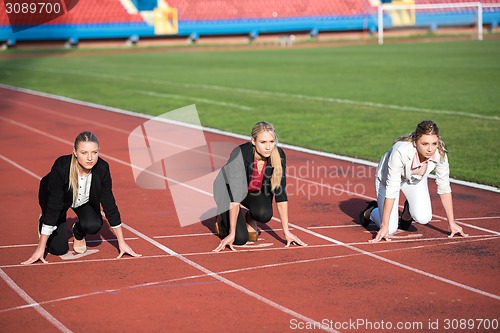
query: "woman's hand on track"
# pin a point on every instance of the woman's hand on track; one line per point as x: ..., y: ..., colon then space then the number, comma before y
x: 383, y: 233
x: 291, y: 238
x: 124, y: 248
x: 227, y: 241
x: 38, y: 255
x: 455, y: 229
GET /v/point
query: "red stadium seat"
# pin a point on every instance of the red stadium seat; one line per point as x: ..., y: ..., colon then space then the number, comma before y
x: 198, y: 10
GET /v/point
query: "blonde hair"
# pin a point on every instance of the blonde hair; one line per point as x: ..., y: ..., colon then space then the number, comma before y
x: 275, y: 155
x: 426, y: 127
x: 73, y: 168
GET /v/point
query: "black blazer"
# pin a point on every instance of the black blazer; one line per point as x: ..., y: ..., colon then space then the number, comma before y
x: 248, y: 153
x: 237, y: 173
x: 55, y: 199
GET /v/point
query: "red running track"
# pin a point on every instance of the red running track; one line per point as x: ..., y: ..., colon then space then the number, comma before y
x: 421, y: 281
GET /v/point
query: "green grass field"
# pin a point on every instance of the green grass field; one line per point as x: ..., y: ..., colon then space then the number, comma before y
x: 349, y: 100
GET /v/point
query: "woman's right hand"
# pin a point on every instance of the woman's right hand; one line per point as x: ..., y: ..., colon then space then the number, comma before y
x: 38, y: 255
x: 227, y: 241
x: 291, y: 239
x: 383, y: 233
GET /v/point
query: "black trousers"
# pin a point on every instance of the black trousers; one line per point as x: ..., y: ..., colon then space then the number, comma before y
x: 260, y: 208
x: 89, y: 222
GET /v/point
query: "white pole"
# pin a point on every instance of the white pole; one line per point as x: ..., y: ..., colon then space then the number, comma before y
x: 478, y: 5
x: 380, y: 25
x: 479, y: 21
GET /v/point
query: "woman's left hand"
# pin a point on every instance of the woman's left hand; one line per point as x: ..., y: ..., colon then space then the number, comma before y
x: 124, y: 248
x: 38, y: 255
x: 291, y: 238
x: 456, y: 229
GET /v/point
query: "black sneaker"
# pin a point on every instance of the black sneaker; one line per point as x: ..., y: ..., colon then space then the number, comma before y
x: 362, y: 219
x: 405, y: 224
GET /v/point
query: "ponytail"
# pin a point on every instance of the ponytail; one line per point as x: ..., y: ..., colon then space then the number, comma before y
x: 278, y: 169
x: 73, y: 176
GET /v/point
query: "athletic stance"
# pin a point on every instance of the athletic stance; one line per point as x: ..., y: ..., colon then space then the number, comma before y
x: 406, y: 167
x: 253, y: 175
x: 81, y: 181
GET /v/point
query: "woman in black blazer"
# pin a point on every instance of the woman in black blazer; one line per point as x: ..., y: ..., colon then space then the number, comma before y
x: 253, y: 175
x: 80, y: 181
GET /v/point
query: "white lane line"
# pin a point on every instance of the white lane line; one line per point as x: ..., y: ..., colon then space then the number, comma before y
x: 458, y: 221
x: 337, y: 241
x: 211, y: 130
x: 108, y: 157
x: 479, y: 218
x: 248, y: 91
x: 71, y: 117
x: 279, y: 247
x: 27, y: 298
x: 334, y: 226
x: 397, y: 264
x: 224, y: 280
x: 109, y: 240
x: 191, y: 99
x: 84, y: 261
x: 213, y: 274
x: 30, y: 128
x: 476, y: 227
x: 19, y: 166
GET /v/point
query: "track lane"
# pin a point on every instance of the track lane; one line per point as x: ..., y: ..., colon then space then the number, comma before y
x: 315, y: 216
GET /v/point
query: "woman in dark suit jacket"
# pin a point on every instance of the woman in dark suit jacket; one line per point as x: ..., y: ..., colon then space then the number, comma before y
x: 80, y: 181
x: 253, y: 175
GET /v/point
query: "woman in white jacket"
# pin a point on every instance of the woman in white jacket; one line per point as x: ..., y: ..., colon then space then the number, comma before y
x: 405, y: 167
